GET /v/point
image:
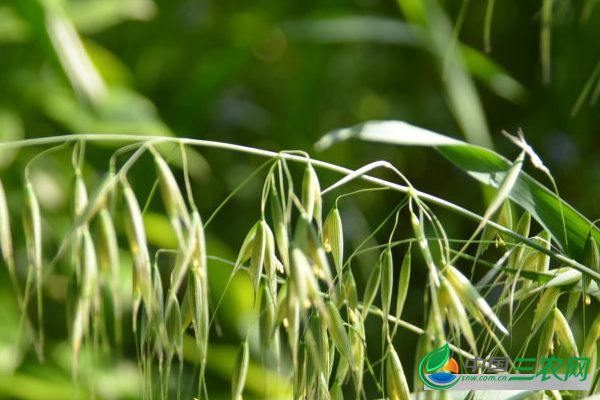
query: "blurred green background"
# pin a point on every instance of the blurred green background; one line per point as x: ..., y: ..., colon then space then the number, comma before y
x: 279, y: 75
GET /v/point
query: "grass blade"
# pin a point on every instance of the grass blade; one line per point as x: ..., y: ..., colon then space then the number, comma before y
x: 487, y: 167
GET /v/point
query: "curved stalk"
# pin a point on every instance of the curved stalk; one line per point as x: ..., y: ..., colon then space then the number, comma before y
x: 321, y: 164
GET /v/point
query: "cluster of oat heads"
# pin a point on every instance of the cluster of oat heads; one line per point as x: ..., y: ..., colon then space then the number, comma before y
x: 311, y: 315
x: 105, y: 220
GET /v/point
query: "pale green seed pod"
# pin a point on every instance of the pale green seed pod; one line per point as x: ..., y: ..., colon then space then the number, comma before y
x: 338, y: 333
x: 32, y: 225
x: 467, y: 292
x: 572, y: 304
x: 311, y: 194
x: 350, y: 293
x: 270, y: 257
x: 403, y: 282
x: 266, y: 321
x: 590, y: 349
x: 183, y: 262
x: 545, y: 305
x: 397, y: 385
x: 247, y: 247
x: 6, y: 243
x: 546, y: 344
x: 108, y: 259
x: 257, y: 260
x: 333, y: 238
x: 299, y: 270
x: 336, y: 391
x: 423, y: 348
x: 80, y: 197
x: 523, y: 227
x: 564, y: 333
x: 591, y: 257
x: 387, y: 282
x: 424, y: 246
x: 315, y: 250
x: 240, y: 370
x: 172, y: 197
x: 357, y: 337
x: 457, y: 314
x: 563, y: 276
x: 300, y: 373
x: 280, y: 228
x: 175, y: 327
x: 88, y: 297
x: 139, y: 248
x: 371, y: 288
x: 292, y: 320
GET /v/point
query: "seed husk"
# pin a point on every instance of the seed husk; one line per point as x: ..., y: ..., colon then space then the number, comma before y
x: 403, y: 282
x: 175, y: 327
x: 545, y: 305
x: 457, y: 315
x: 315, y: 250
x: 572, y: 304
x: 564, y: 333
x: 350, y: 293
x: 423, y: 348
x: 467, y: 292
x: 591, y: 257
x: 280, y: 228
x: 292, y: 320
x: 397, y: 385
x: 240, y: 370
x: 6, y: 243
x: 564, y: 276
x: 172, y: 197
x: 198, y: 304
x: 257, y: 260
x: 199, y: 300
x: 183, y: 261
x: 333, y: 238
x: 523, y: 227
x: 311, y: 194
x: 32, y: 224
x: 266, y: 321
x: 300, y: 373
x: 87, y: 299
x: 589, y: 346
x: 546, y: 341
x: 387, y: 283
x: 336, y: 391
x: 247, y: 247
x: 338, y: 333
x: 357, y: 337
x: 371, y: 288
x: 134, y: 227
x: 108, y: 258
x: 81, y: 197
x: 299, y: 269
x: 270, y: 257
x: 424, y: 247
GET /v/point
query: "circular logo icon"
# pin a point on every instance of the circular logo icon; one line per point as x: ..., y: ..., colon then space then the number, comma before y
x: 447, y: 367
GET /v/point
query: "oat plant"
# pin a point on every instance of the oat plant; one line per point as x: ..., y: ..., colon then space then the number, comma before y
x: 319, y: 330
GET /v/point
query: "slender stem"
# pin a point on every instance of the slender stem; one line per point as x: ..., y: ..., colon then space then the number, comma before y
x: 321, y: 164
x: 407, y: 325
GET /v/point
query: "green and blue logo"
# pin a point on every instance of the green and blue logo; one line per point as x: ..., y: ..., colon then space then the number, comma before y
x: 447, y: 367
